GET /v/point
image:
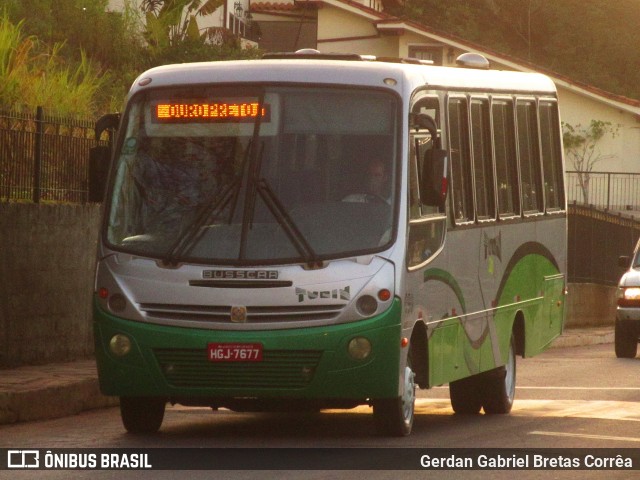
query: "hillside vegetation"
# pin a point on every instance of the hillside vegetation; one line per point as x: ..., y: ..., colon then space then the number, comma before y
x: 592, y: 41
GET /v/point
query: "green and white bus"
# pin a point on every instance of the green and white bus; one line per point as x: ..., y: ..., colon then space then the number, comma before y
x: 250, y: 260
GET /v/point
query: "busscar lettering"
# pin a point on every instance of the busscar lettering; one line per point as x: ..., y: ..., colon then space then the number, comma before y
x: 240, y: 274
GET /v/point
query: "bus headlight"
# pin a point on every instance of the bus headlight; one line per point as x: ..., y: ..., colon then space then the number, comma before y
x: 359, y: 348
x: 120, y: 345
x: 367, y: 305
x: 117, y: 302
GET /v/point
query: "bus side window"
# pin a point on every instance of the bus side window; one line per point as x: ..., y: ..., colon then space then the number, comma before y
x: 482, y: 159
x: 461, y: 194
x: 426, y: 228
x: 428, y: 224
x: 528, y: 151
x: 506, y: 160
x: 551, y: 155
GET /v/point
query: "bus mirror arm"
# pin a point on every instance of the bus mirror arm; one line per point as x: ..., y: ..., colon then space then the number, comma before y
x: 98, y: 171
x: 109, y: 121
x: 99, y: 157
x: 434, y: 178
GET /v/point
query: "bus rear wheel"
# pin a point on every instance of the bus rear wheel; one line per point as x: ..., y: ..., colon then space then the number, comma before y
x: 500, y: 386
x: 394, y: 416
x: 142, y: 414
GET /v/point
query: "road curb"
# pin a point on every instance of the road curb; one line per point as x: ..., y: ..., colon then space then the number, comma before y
x: 584, y: 337
x: 52, y: 401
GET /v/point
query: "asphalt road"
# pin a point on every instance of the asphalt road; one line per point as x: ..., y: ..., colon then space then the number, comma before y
x: 576, y: 397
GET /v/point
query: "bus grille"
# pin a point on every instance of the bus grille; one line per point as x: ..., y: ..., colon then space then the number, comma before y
x: 278, y: 369
x: 222, y: 314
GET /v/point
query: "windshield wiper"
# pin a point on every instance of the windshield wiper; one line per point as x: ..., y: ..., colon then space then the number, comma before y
x: 279, y: 212
x: 257, y: 185
x: 193, y: 231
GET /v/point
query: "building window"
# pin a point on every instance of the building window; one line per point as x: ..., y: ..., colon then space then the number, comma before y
x: 427, y: 53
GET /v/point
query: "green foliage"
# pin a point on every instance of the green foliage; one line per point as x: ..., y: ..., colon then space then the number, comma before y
x: 31, y: 75
x: 76, y: 45
x: 170, y: 22
x: 14, y: 53
x: 581, y: 143
x: 173, y: 34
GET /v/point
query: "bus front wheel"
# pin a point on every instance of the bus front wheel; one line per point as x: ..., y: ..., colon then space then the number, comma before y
x: 394, y: 416
x: 142, y: 414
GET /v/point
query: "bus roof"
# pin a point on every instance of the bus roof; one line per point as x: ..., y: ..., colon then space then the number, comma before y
x: 404, y: 77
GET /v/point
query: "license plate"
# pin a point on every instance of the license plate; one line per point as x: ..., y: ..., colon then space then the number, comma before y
x: 234, y: 352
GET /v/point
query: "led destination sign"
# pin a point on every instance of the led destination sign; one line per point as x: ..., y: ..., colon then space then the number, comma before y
x: 216, y: 112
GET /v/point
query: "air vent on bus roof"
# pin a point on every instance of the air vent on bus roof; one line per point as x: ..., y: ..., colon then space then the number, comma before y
x: 473, y: 60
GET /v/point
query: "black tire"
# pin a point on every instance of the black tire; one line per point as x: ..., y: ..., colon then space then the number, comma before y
x: 394, y: 416
x: 465, y: 396
x: 499, y: 386
x: 626, y: 340
x: 142, y: 414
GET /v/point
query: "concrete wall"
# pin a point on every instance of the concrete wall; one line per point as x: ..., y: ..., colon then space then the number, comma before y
x: 47, y: 255
x: 590, y: 305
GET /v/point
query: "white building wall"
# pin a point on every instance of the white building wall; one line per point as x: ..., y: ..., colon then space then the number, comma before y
x: 624, y: 149
x: 360, y: 35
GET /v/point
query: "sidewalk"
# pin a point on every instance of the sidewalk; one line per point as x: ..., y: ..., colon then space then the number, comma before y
x: 62, y: 389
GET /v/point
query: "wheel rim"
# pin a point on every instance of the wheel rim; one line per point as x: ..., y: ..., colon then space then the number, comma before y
x: 510, y: 376
x: 408, y: 395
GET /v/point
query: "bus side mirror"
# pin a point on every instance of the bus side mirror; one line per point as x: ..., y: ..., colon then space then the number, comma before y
x: 434, y: 179
x: 109, y: 121
x: 99, y: 158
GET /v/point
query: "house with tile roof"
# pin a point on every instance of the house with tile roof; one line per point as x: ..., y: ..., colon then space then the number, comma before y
x: 363, y: 27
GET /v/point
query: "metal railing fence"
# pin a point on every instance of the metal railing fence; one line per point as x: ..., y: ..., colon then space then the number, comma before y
x: 44, y: 157
x: 606, y: 190
x: 595, y: 241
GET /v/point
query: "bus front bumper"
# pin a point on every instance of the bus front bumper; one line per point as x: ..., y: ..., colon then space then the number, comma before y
x: 304, y: 363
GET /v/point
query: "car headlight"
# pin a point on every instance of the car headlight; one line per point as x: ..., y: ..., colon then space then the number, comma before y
x: 629, y: 296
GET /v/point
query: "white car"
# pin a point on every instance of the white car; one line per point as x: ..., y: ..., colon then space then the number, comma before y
x: 628, y: 310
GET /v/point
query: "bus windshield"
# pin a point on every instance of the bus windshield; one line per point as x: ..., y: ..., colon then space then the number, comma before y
x: 246, y: 175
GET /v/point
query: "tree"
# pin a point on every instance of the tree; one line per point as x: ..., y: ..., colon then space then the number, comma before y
x: 170, y: 22
x: 173, y: 34
x: 581, y: 149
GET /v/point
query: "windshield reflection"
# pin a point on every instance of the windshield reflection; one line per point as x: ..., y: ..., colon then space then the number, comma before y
x: 199, y: 191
